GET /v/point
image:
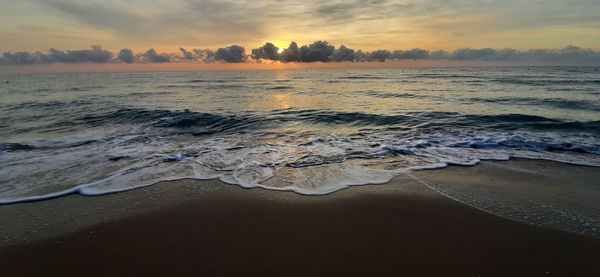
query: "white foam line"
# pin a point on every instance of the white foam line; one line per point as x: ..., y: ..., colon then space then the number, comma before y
x: 425, y: 183
x: 81, y: 189
x: 39, y: 198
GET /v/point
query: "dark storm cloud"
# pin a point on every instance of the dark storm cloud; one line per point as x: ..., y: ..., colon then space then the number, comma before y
x: 266, y: 52
x: 440, y: 55
x: 94, y: 55
x: 379, y: 55
x: 485, y: 54
x: 344, y: 54
x: 21, y: 58
x: 413, y: 54
x: 292, y: 53
x: 319, y: 51
x: 187, y: 55
x: 154, y: 57
x: 202, y: 55
x: 231, y: 54
x: 572, y: 54
x: 126, y: 56
x: 569, y: 53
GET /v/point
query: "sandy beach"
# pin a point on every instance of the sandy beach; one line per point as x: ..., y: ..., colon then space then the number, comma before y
x: 208, y: 228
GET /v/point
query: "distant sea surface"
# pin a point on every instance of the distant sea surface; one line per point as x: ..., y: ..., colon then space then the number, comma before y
x: 312, y: 132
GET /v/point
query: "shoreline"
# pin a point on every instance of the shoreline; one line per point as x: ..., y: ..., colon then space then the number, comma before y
x: 583, y: 220
x: 211, y: 228
x: 432, y: 167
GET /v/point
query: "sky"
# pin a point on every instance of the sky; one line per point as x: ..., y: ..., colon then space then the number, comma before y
x: 166, y: 25
x: 92, y: 35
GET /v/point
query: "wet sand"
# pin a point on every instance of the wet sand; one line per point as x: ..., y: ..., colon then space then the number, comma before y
x: 206, y: 228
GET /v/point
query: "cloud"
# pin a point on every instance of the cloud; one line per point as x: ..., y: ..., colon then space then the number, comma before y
x: 322, y: 51
x: 201, y: 55
x: 153, y: 57
x: 369, y: 24
x: 344, y: 54
x: 21, y: 58
x: 187, y: 55
x: 126, y: 55
x: 359, y: 10
x: 485, y: 54
x: 319, y: 51
x: 161, y: 20
x: 267, y: 52
x: 292, y: 53
x: 231, y: 54
x: 379, y: 55
x: 205, y: 55
x: 569, y: 54
x: 413, y: 54
x: 95, y: 55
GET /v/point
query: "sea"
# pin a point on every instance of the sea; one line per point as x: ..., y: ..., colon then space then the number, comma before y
x: 309, y: 131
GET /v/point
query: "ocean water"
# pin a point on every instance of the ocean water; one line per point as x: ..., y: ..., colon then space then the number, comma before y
x: 312, y: 132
